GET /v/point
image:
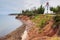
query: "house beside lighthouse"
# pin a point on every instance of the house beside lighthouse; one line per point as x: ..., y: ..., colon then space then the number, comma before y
x: 47, y: 9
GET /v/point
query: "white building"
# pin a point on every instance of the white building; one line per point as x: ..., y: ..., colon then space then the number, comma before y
x: 47, y: 9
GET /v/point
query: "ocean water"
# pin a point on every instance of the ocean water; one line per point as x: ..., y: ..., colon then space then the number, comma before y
x: 8, y: 24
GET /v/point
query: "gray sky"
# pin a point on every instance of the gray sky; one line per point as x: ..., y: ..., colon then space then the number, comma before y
x: 15, y: 6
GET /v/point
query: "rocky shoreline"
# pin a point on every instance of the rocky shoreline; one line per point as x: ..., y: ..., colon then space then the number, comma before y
x: 15, y: 35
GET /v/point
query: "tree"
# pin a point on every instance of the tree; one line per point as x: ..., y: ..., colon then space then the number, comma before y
x: 53, y: 9
x: 40, y: 10
x: 23, y: 11
x: 56, y: 10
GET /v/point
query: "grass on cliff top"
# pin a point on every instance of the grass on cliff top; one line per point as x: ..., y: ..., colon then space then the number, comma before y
x: 40, y: 20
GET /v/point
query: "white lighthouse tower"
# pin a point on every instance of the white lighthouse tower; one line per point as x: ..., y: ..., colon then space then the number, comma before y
x: 47, y: 9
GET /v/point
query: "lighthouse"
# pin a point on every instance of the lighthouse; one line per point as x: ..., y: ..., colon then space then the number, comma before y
x: 47, y: 9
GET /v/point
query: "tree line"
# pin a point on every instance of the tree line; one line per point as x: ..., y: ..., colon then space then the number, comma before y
x: 40, y: 10
x: 55, y: 9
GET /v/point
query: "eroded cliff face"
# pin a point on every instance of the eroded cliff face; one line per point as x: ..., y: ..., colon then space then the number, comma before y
x: 32, y: 31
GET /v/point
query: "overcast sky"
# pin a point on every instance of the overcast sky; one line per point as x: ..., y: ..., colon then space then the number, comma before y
x: 15, y: 6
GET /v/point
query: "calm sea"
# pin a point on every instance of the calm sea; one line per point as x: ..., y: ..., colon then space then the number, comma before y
x: 8, y: 24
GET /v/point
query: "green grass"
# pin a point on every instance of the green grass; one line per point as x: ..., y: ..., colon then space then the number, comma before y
x: 41, y: 19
